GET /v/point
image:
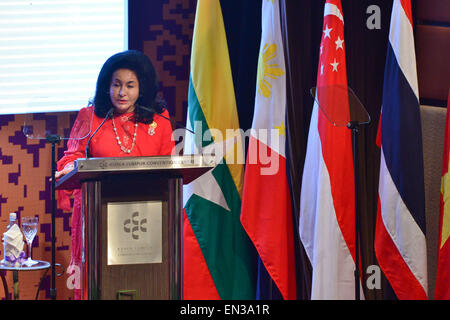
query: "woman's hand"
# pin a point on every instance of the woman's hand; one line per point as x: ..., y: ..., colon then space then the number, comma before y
x: 64, y: 171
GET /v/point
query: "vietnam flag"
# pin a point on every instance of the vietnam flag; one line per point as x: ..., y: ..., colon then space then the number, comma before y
x: 442, y: 291
x: 327, y: 203
x: 266, y: 202
x: 217, y: 254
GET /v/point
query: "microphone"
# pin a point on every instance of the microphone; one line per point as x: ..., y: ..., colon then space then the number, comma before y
x: 149, y: 109
x: 106, y: 117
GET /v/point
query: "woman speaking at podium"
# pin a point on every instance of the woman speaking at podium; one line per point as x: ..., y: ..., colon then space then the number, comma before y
x: 122, y: 124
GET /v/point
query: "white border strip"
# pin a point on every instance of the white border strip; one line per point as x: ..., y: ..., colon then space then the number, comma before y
x: 333, y: 10
x: 402, y: 228
x: 402, y: 41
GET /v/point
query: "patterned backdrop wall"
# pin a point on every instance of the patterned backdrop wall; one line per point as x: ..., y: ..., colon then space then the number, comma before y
x: 25, y: 169
x: 165, y: 36
x: 162, y: 29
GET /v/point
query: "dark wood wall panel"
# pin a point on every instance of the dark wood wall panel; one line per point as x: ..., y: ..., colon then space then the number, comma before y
x: 433, y: 10
x: 432, y: 35
x: 433, y: 63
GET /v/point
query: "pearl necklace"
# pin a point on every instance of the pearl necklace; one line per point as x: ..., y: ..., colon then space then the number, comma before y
x: 118, y: 139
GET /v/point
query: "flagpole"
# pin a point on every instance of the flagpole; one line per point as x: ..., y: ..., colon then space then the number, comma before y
x: 354, y: 125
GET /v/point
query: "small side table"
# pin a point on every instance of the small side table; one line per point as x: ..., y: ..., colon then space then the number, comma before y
x: 41, y: 265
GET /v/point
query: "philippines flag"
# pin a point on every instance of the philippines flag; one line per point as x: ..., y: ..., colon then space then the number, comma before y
x: 266, y: 212
x: 400, y: 244
x: 327, y: 203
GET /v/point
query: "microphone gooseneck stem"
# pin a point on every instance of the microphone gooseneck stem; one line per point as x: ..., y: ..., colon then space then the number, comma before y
x: 172, y: 121
x: 101, y: 124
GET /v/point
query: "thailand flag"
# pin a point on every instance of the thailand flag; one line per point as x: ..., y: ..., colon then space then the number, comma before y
x: 400, y: 244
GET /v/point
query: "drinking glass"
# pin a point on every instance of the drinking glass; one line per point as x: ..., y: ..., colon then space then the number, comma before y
x: 29, y: 228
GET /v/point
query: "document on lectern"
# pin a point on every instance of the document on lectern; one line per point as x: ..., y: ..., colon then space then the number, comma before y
x: 134, y: 232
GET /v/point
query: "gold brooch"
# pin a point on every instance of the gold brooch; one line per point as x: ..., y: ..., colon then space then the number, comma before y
x: 151, y: 128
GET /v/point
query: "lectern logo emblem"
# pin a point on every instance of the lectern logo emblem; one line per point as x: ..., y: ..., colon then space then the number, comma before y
x: 103, y: 165
x: 134, y: 225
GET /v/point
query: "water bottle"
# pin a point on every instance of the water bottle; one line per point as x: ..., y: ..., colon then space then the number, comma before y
x: 12, y: 221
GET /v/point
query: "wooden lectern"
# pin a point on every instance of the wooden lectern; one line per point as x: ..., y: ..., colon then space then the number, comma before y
x: 132, y: 224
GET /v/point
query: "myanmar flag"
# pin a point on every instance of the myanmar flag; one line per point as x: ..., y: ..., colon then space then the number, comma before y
x: 217, y: 254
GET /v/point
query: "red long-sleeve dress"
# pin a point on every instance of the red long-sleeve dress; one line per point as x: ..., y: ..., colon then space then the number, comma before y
x: 150, y: 140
